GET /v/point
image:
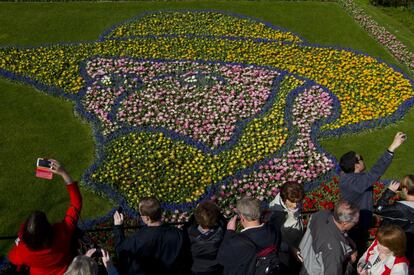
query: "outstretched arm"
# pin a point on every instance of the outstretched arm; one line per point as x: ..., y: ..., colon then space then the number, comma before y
x: 399, y: 139
x: 72, y: 214
x: 384, y: 161
x: 75, y: 206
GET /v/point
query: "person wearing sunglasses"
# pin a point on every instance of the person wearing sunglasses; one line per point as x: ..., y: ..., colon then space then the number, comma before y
x: 356, y: 186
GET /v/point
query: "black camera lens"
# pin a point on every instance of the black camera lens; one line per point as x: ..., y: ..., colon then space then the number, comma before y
x: 97, y: 253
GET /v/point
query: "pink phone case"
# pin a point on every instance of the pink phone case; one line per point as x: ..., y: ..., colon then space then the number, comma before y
x: 43, y: 173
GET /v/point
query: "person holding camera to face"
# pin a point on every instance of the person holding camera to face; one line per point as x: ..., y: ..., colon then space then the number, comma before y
x: 400, y: 213
x: 254, y: 249
x: 43, y: 247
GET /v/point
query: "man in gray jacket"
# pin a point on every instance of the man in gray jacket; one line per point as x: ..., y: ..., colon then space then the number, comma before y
x: 325, y: 248
x: 356, y: 186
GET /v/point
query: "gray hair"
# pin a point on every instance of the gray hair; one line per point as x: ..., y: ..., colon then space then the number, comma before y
x: 249, y: 207
x: 82, y: 265
x: 346, y: 211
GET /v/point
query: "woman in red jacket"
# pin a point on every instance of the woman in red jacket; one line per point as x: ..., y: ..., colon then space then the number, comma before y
x: 46, y: 248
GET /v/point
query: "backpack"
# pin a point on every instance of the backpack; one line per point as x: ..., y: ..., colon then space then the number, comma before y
x: 266, y: 260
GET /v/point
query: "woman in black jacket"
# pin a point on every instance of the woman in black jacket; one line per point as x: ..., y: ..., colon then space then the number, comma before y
x: 285, y: 214
x: 400, y: 213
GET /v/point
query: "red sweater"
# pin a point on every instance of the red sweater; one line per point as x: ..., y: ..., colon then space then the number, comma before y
x: 53, y: 260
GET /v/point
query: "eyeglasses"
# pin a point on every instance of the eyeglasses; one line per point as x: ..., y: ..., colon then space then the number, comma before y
x: 359, y: 159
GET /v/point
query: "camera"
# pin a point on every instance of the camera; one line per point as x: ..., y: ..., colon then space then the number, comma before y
x: 366, y: 266
x: 97, y: 253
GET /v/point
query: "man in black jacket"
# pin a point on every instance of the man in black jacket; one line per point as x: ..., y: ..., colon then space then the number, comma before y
x: 238, y: 250
x: 400, y: 213
x: 153, y: 249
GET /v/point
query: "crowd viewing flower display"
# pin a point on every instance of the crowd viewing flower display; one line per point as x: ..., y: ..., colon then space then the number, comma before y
x: 188, y: 105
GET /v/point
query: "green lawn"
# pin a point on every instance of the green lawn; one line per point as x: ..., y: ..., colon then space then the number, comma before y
x: 34, y: 124
x: 402, y: 14
x: 398, y: 21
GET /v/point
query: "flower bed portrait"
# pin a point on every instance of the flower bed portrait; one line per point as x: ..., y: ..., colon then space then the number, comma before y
x: 186, y: 108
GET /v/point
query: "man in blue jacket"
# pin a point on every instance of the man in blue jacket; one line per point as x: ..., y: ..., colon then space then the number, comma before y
x: 356, y: 185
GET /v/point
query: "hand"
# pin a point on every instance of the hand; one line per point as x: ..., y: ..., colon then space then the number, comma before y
x: 296, y: 254
x: 399, y: 139
x: 361, y: 271
x: 118, y: 218
x: 106, y: 259
x: 58, y: 169
x: 90, y: 252
x: 231, y: 225
x: 394, y: 185
x: 354, y: 256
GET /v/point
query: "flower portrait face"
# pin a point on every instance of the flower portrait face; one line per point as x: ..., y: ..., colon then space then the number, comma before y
x: 202, y: 101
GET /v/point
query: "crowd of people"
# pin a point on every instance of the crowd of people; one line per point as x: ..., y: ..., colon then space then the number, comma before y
x: 254, y: 240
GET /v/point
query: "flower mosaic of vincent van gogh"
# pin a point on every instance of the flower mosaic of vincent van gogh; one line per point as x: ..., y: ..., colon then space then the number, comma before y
x: 188, y: 105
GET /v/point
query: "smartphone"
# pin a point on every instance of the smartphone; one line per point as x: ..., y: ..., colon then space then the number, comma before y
x: 43, y: 163
x: 120, y: 210
x: 43, y: 169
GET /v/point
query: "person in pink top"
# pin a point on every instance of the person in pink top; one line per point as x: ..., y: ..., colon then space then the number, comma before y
x: 46, y: 248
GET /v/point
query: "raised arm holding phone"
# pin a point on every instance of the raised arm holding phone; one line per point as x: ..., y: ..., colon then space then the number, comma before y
x: 43, y: 247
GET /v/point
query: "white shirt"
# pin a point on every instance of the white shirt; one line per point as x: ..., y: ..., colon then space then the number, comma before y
x: 379, y: 267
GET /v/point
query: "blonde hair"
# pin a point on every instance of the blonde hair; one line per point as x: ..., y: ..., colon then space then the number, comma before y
x: 82, y: 265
